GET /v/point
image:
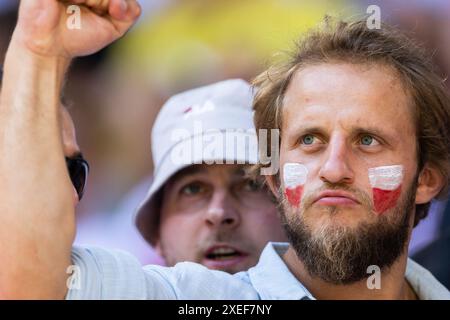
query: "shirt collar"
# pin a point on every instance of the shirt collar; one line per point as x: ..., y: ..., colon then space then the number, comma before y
x: 271, y: 266
x: 286, y: 287
x: 424, y: 283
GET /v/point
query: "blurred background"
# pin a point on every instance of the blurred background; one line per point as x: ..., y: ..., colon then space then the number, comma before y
x: 115, y: 95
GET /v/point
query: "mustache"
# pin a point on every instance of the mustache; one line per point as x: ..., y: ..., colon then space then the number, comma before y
x: 228, y: 237
x: 309, y: 196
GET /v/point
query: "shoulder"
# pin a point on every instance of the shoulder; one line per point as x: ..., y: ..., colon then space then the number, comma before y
x: 426, y: 286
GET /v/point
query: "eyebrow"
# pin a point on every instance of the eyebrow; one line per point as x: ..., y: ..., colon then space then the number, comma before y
x: 374, y: 131
x: 304, y: 128
x: 240, y: 172
x: 190, y: 170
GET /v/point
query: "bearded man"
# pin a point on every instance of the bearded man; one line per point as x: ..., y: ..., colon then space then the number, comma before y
x: 364, y: 133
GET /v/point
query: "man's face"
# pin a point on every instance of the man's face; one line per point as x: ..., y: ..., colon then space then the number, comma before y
x: 340, y: 122
x: 216, y: 216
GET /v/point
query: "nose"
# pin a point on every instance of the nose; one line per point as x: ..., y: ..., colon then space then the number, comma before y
x: 222, y: 211
x: 336, y: 167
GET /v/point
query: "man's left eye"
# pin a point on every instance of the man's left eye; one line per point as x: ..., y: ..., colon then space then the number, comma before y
x: 252, y: 185
x: 368, y: 140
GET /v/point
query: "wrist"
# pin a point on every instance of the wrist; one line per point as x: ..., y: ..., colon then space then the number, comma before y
x: 30, y: 78
x: 18, y: 51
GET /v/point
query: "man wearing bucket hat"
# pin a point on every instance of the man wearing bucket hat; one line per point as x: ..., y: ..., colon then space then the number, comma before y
x: 201, y: 205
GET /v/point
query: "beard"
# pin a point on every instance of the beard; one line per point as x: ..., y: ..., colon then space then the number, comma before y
x: 340, y: 254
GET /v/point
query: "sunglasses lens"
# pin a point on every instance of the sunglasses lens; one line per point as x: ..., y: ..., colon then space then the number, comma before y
x: 78, y: 170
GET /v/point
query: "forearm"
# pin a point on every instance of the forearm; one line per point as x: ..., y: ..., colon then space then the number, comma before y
x: 36, y: 203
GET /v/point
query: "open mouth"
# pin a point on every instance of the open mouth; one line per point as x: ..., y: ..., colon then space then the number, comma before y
x: 223, y: 253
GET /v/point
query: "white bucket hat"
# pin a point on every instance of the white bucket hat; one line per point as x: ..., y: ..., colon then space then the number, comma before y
x: 211, y: 124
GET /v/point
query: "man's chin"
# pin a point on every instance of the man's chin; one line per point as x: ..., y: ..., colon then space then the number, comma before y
x: 339, y: 251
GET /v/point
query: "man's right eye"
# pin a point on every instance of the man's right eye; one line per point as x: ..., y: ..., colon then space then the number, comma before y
x: 308, y: 139
x: 192, y: 189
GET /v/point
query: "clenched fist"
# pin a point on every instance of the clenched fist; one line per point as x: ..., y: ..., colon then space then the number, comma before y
x: 42, y: 26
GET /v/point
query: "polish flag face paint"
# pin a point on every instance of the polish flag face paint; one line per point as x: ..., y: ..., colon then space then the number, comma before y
x: 294, y: 178
x: 386, y: 185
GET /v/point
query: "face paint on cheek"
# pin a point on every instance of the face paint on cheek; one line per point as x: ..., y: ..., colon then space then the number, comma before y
x: 386, y: 185
x: 294, y: 178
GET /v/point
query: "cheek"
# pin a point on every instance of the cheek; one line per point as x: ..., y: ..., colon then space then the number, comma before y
x: 385, y: 199
x: 294, y: 178
x: 262, y: 226
x: 294, y: 195
x: 386, y: 183
x: 261, y: 218
x: 178, y: 234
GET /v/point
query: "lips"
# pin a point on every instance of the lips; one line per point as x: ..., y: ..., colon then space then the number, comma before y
x: 222, y: 252
x: 336, y: 197
x: 222, y: 256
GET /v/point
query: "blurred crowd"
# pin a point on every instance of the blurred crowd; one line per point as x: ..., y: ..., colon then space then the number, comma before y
x: 115, y: 95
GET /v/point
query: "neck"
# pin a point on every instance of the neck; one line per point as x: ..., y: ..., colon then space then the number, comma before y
x: 393, y: 285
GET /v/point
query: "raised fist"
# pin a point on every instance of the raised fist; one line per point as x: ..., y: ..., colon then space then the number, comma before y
x: 43, y: 26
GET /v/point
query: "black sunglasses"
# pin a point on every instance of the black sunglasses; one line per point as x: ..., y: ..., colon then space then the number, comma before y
x: 78, y: 170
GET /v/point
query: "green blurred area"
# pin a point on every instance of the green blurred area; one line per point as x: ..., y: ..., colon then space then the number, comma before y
x: 231, y: 37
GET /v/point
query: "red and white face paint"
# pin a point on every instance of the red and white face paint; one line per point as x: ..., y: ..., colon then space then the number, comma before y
x: 294, y: 178
x: 386, y: 185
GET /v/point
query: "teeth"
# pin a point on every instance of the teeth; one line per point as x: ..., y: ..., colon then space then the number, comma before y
x: 223, y: 251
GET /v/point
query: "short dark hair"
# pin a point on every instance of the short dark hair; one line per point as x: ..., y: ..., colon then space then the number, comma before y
x: 354, y: 42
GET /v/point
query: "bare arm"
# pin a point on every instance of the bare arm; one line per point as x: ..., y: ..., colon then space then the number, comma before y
x: 37, y: 224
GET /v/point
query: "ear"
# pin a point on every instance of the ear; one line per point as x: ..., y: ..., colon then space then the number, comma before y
x: 273, y: 184
x: 429, y: 185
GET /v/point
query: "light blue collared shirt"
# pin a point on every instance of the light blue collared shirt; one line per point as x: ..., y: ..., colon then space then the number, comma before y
x: 106, y: 274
